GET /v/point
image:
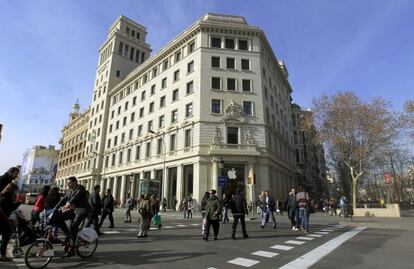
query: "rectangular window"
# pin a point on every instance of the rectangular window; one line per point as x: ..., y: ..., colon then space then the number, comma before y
x: 175, y: 95
x: 137, y: 152
x: 128, y: 155
x: 189, y: 110
x: 154, y: 72
x: 126, y: 50
x: 161, y: 121
x: 132, y: 116
x: 177, y: 56
x: 149, y: 127
x: 215, y: 62
x: 229, y: 43
x: 112, y: 114
x: 162, y: 101
x: 215, y: 106
x: 143, y: 96
x: 120, y: 48
x: 106, y: 161
x: 231, y: 84
x: 153, y: 89
x: 216, y: 42
x: 139, y: 133
x: 215, y: 83
x: 187, y: 138
x: 116, y: 141
x: 243, y: 45
x: 131, y: 133
x: 245, y: 64
x: 190, y: 87
x: 131, y: 54
x: 191, y: 47
x: 141, y: 112
x: 172, y: 142
x: 230, y: 63
x: 126, y: 106
x: 137, y: 56
x: 246, y: 85
x: 117, y: 125
x: 122, y: 138
x: 113, y: 160
x: 148, y: 150
x: 118, y: 73
x: 247, y: 108
x: 151, y: 107
x: 165, y: 65
x: 190, y: 67
x: 232, y: 135
x: 159, y: 146
x: 174, y: 116
x: 110, y: 128
x: 109, y: 143
x: 124, y: 121
x: 176, y: 75
x: 134, y: 101
x: 164, y: 83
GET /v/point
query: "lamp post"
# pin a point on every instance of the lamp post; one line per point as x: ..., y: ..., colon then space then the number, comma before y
x: 164, y: 172
x: 221, y: 166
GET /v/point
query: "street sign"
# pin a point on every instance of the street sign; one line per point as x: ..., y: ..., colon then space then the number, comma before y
x: 387, y: 178
x: 222, y: 181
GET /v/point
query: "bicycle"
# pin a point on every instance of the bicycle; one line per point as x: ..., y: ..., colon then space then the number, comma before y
x: 39, y: 254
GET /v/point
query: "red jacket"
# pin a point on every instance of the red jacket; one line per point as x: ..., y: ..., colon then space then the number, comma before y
x: 39, y: 205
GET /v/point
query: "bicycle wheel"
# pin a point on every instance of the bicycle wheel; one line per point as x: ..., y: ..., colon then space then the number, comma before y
x: 39, y: 254
x: 84, y: 248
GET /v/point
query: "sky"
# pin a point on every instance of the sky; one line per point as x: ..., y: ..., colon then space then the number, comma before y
x: 49, y: 52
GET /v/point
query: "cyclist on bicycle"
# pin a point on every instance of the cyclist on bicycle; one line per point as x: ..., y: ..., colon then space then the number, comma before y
x: 73, y: 206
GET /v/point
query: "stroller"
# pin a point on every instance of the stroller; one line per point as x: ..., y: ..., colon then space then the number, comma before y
x: 23, y: 233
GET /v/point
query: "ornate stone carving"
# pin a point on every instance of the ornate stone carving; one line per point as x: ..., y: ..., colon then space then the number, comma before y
x: 217, y: 139
x: 233, y: 113
x: 248, y: 139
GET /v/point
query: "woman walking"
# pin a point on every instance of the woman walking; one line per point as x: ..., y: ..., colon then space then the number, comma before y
x: 39, y: 205
x: 203, y: 211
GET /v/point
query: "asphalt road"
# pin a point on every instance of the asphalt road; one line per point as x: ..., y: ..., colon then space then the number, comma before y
x: 178, y: 244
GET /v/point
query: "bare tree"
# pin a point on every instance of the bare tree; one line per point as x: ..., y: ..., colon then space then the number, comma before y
x: 356, y: 131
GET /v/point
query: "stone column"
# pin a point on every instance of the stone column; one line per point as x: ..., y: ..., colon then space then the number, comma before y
x: 123, y: 189
x: 165, y: 180
x: 214, y: 174
x: 134, y: 186
x: 180, y: 184
x: 115, y: 188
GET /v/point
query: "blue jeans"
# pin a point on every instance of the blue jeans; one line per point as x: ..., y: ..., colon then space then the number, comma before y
x: 224, y: 217
x: 266, y: 214
x: 304, y: 217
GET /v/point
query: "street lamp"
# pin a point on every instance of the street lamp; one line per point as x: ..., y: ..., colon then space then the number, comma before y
x: 221, y: 166
x: 164, y: 173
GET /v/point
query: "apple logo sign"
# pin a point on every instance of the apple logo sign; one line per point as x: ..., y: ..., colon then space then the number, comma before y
x: 232, y: 174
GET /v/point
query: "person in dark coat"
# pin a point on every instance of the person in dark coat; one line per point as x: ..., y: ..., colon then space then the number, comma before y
x: 292, y: 207
x: 238, y: 207
x: 203, y: 211
x: 108, y: 208
x: 213, y: 210
x: 7, y: 205
x: 268, y: 208
x: 96, y: 209
x: 9, y: 177
x: 73, y: 206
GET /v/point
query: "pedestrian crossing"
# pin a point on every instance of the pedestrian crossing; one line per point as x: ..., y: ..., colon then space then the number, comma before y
x: 172, y: 226
x: 282, y: 248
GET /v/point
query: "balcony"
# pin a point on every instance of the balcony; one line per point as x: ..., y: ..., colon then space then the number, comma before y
x: 234, y: 149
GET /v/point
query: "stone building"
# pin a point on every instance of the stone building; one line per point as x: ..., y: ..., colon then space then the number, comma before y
x: 213, y: 101
x: 72, y: 144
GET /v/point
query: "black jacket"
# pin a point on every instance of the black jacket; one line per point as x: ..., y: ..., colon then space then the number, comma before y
x: 95, y: 203
x: 291, y: 202
x: 78, y: 197
x: 7, y: 204
x: 271, y: 204
x: 4, y: 180
x: 238, y: 205
x: 108, y: 202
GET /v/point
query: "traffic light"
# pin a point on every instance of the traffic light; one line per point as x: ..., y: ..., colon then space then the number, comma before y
x: 254, y: 178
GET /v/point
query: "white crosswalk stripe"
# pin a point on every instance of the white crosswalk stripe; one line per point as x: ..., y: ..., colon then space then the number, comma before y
x: 323, y: 233
x: 294, y: 242
x: 305, y: 238
x: 327, y: 230
x: 265, y: 254
x: 315, y: 235
x: 243, y: 262
x: 282, y: 247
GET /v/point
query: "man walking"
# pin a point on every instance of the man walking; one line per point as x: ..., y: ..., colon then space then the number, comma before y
x: 224, y: 207
x: 268, y: 209
x: 144, y: 209
x: 213, y: 209
x: 108, y: 208
x: 302, y: 199
x: 129, y: 204
x: 291, y: 207
x: 238, y: 207
x: 96, y: 209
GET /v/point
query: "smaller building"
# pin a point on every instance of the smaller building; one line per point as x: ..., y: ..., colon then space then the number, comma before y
x: 310, y: 156
x: 38, y: 168
x: 72, y: 143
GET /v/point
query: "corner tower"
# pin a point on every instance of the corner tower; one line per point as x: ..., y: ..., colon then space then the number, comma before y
x: 123, y: 51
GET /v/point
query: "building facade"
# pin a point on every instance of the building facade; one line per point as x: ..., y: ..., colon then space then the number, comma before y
x: 309, y: 154
x: 72, y: 142
x: 38, y: 168
x: 213, y: 101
